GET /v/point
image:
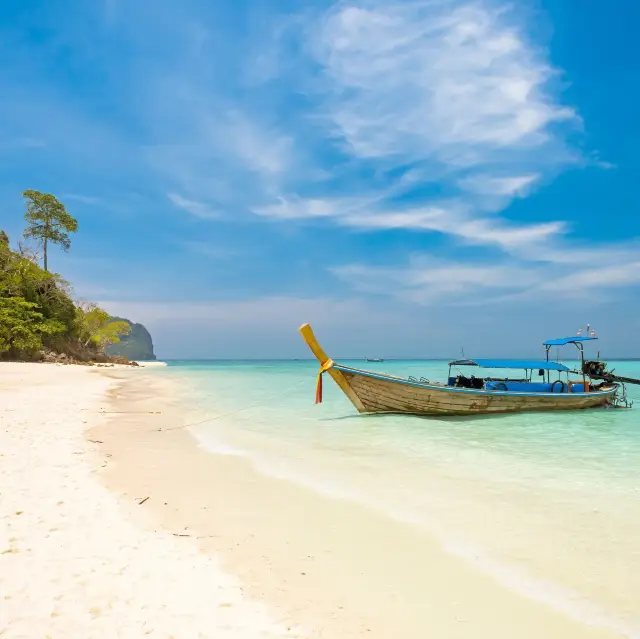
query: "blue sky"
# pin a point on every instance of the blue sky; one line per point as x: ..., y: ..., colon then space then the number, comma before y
x: 410, y: 176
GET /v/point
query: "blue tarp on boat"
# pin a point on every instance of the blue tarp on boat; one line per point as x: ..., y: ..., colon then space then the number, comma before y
x: 512, y: 363
x: 568, y: 340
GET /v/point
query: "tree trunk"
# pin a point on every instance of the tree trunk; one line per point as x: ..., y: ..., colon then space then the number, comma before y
x: 45, y: 252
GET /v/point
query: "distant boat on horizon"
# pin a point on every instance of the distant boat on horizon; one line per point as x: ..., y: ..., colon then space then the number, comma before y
x: 374, y: 359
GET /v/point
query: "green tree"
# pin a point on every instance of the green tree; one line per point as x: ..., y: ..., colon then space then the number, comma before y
x: 48, y: 221
x: 22, y: 328
x: 111, y: 333
x: 94, y: 327
x: 4, y: 238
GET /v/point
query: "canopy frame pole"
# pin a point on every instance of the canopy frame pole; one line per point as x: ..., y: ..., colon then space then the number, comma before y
x: 580, y: 347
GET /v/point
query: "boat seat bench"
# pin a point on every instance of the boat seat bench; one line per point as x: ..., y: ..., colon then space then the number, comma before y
x: 535, y: 387
x: 529, y: 387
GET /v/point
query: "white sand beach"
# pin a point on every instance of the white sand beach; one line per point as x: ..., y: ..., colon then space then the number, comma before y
x: 114, y: 523
x: 72, y: 563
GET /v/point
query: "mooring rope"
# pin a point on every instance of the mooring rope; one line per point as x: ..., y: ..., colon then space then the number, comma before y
x: 234, y: 412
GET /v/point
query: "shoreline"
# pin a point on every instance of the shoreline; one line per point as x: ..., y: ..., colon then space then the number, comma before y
x: 317, y: 558
x: 158, y: 532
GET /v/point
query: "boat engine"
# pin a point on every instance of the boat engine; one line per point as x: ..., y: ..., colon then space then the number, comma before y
x: 469, y: 382
x: 595, y: 368
x: 598, y: 370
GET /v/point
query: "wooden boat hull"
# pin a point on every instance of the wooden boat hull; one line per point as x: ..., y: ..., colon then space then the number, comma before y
x: 377, y: 393
x: 385, y: 394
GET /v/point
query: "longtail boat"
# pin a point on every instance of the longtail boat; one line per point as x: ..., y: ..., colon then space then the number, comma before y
x: 372, y: 392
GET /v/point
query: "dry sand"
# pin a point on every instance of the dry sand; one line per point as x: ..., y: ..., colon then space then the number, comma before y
x: 72, y: 563
x: 81, y: 562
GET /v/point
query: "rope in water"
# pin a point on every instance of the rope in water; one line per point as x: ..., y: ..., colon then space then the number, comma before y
x: 234, y: 412
x: 202, y: 421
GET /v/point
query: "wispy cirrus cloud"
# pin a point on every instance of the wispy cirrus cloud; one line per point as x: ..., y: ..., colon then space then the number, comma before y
x: 444, y: 92
x: 425, y: 280
x: 426, y: 116
x: 487, y: 184
x: 451, y: 93
x: 222, y: 158
x: 197, y: 209
x: 264, y: 150
x: 453, y: 218
x: 452, y: 80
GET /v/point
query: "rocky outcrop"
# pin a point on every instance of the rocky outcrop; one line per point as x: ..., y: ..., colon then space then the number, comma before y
x: 137, y: 345
x: 86, y: 359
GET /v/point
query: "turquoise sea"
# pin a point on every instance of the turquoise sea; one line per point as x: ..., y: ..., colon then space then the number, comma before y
x: 548, y: 503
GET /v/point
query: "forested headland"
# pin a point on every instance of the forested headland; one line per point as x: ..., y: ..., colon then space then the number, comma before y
x: 39, y: 318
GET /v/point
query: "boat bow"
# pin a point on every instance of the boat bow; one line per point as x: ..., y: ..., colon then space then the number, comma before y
x: 327, y: 366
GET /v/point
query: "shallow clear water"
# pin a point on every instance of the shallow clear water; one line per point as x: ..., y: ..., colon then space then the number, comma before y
x: 548, y: 503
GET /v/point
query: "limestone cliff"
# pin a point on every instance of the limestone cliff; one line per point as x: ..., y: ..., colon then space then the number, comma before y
x: 137, y: 345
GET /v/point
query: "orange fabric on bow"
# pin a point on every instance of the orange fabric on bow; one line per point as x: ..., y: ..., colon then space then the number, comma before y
x: 323, y: 369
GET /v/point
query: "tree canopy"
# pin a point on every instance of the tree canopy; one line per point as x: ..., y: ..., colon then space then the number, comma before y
x: 95, y: 326
x: 48, y: 221
x: 23, y: 328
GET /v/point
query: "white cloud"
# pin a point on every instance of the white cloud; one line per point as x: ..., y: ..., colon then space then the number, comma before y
x: 427, y: 280
x: 596, y: 277
x: 445, y: 92
x: 301, y: 208
x: 197, y: 209
x: 472, y: 230
x: 438, y: 280
x: 450, y: 218
x: 449, y: 93
x: 491, y: 185
x: 415, y: 79
x: 224, y: 158
x: 264, y: 149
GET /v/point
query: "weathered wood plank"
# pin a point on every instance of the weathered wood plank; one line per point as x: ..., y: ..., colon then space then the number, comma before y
x: 389, y: 395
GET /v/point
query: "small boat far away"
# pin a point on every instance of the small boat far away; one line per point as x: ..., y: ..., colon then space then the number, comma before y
x: 374, y: 359
x: 372, y: 392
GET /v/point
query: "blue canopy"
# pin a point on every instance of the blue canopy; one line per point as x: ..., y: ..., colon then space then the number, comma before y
x: 568, y: 340
x: 511, y: 363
